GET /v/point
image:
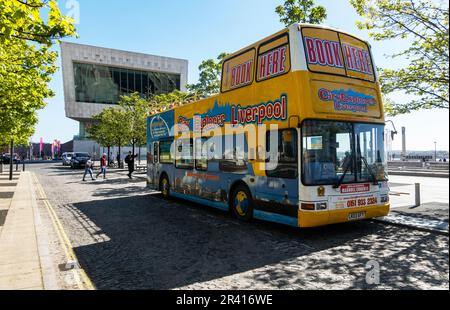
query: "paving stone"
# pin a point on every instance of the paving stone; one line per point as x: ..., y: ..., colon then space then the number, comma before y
x: 126, y: 237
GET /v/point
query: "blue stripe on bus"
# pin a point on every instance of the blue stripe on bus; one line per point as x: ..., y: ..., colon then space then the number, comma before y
x: 213, y: 204
x: 261, y: 215
x: 276, y: 218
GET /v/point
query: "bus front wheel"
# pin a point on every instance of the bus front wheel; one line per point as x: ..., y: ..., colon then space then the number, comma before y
x: 242, y: 203
x: 164, y: 186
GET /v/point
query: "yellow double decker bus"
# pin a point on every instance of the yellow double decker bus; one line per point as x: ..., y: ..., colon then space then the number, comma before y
x: 295, y: 136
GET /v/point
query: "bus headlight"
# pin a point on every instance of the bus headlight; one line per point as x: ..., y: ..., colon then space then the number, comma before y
x: 384, y: 198
x: 321, y: 206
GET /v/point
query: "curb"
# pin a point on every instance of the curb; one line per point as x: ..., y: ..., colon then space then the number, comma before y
x: 82, y: 279
x: 419, y: 174
x: 411, y: 226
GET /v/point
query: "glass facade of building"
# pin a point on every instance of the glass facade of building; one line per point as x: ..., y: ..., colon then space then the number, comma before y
x: 104, y: 84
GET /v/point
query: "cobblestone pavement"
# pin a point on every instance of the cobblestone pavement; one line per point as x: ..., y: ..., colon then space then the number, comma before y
x: 127, y: 237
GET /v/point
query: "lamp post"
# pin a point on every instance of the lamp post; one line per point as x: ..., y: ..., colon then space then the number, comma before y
x: 435, y: 151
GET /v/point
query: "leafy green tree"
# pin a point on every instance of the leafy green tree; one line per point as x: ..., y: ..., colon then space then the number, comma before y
x: 210, y: 76
x: 28, y: 29
x: 101, y: 134
x: 164, y: 102
x: 425, y: 23
x: 137, y: 110
x: 301, y: 11
x: 111, y: 127
x: 39, y: 21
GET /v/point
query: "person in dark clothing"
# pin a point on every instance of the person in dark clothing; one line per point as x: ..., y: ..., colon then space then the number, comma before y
x: 129, y: 160
x: 118, y: 160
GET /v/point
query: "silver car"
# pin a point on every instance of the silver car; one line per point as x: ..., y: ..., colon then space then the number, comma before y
x: 66, y: 158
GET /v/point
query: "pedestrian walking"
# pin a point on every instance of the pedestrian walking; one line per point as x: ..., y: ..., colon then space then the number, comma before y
x: 118, y: 160
x: 88, y: 169
x: 129, y: 160
x: 103, y: 166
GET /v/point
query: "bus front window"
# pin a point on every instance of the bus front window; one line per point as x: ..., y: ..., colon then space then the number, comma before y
x: 327, y: 152
x: 370, y: 153
x: 337, y: 153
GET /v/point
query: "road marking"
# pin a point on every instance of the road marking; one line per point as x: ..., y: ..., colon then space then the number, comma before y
x: 65, y: 242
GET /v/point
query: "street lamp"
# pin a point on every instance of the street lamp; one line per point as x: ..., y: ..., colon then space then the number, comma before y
x: 435, y: 151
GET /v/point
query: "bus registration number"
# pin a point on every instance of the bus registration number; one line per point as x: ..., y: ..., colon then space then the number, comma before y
x: 356, y: 216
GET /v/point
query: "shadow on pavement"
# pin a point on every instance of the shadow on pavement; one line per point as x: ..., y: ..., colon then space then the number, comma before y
x: 144, y: 242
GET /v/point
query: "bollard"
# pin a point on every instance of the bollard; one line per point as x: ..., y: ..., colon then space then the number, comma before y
x: 23, y: 166
x: 417, y: 194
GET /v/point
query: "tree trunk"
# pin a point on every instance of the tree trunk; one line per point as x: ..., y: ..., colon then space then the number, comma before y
x: 109, y: 152
x: 119, y: 164
x: 139, y: 158
x: 11, y: 154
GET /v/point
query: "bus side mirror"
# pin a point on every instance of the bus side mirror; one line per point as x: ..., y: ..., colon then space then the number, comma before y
x: 393, y: 133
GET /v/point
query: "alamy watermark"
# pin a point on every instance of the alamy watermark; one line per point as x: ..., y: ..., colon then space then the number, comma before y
x: 73, y: 10
x: 373, y: 272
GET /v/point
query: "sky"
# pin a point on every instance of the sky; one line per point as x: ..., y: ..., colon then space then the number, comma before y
x: 201, y: 29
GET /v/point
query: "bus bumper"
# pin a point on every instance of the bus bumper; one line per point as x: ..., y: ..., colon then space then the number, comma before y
x: 322, y: 218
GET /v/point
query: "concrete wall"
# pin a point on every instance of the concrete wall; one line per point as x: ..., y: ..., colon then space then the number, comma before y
x: 104, y: 56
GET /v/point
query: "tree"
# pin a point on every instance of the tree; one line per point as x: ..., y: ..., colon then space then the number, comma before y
x: 136, y: 109
x: 39, y: 21
x: 164, y: 102
x: 28, y: 29
x: 426, y: 76
x: 111, y: 128
x: 101, y: 134
x: 210, y: 76
x: 301, y: 11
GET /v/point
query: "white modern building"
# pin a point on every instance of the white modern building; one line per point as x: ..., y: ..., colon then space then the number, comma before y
x: 95, y: 77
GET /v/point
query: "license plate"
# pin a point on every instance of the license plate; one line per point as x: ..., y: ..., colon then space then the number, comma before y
x: 356, y: 216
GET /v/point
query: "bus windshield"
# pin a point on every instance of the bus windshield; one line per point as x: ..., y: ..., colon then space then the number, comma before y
x: 340, y: 153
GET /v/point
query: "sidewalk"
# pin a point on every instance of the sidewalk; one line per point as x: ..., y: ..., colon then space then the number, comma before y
x: 20, y: 262
x: 433, y: 212
x: 431, y: 217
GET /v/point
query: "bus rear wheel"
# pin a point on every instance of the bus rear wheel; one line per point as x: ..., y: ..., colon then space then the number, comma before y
x: 164, y: 186
x: 242, y: 203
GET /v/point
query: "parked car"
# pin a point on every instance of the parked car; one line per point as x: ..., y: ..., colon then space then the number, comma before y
x: 5, y: 158
x: 66, y: 158
x: 79, y: 160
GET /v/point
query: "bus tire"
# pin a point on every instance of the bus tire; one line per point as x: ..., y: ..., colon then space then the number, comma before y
x: 164, y: 186
x: 241, y: 203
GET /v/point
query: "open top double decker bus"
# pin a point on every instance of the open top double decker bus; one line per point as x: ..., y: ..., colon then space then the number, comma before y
x: 296, y: 135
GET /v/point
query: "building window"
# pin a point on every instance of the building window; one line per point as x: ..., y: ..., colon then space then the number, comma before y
x: 103, y: 84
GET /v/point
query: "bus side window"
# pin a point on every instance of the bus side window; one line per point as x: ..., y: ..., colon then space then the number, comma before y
x: 283, y: 154
x: 184, y: 154
x: 201, y: 154
x: 165, y: 152
x: 235, y: 154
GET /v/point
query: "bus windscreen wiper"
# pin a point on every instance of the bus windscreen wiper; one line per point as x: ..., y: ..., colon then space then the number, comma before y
x: 347, y: 167
x: 372, y: 174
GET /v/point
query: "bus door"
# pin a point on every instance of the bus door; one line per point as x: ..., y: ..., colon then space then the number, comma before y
x: 282, y: 171
x: 153, y: 166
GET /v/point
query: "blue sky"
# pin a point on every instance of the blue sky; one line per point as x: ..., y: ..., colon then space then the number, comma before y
x: 202, y: 29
